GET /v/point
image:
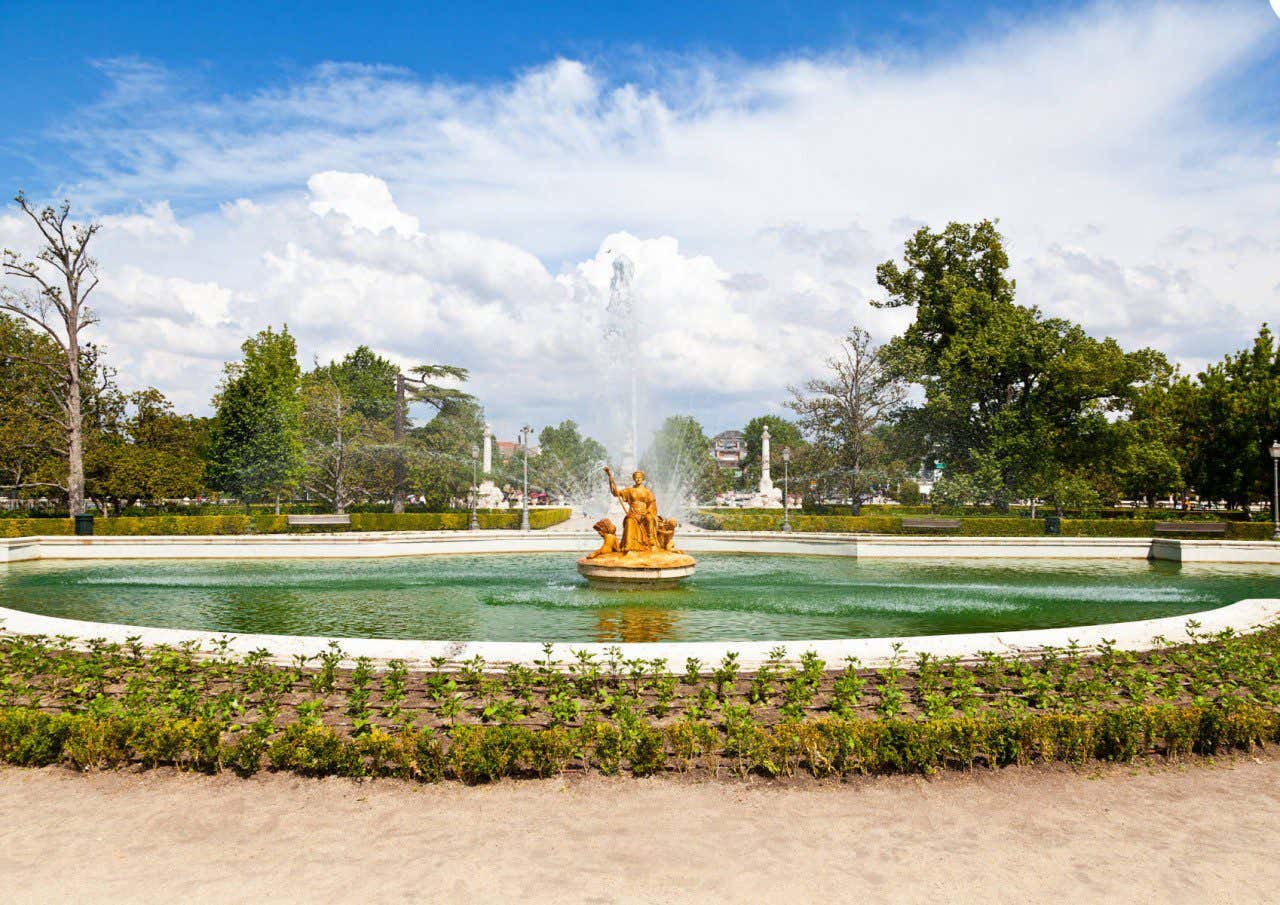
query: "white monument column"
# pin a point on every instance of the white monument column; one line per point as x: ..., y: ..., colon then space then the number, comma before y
x: 766, y: 482
x: 488, y: 449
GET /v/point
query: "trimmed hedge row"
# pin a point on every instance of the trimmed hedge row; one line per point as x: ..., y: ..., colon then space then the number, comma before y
x: 771, y: 520
x: 33, y: 527
x: 826, y: 746
x: 269, y: 523
x: 1158, y: 515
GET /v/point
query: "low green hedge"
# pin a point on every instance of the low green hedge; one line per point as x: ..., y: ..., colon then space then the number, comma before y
x: 270, y: 523
x: 35, y: 527
x: 172, y: 524
x: 822, y: 747
x: 989, y: 526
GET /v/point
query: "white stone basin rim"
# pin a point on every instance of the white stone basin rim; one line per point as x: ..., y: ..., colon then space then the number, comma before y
x: 1242, y: 617
x: 419, y: 543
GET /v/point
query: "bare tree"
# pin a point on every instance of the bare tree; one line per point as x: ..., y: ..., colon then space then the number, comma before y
x: 842, y: 410
x: 58, y: 281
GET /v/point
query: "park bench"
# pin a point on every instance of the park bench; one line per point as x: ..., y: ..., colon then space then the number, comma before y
x: 308, y: 521
x: 1217, y: 528
x: 935, y: 524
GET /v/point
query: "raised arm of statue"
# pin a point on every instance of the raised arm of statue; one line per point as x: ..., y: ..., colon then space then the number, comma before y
x: 613, y: 487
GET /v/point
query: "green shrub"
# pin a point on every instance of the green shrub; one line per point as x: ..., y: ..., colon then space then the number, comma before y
x: 173, y: 525
x: 35, y: 527
x: 32, y: 738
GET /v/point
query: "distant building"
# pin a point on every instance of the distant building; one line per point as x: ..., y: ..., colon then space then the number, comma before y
x: 510, y: 449
x: 730, y: 449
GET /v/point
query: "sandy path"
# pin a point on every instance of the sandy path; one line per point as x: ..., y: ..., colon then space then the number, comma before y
x: 1205, y: 833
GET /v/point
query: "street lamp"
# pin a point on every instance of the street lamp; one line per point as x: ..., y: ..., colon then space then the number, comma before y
x: 525, y: 433
x: 1275, y: 489
x: 786, y: 488
x: 473, y: 524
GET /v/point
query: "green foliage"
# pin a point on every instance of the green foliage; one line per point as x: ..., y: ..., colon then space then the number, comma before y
x: 120, y: 705
x: 255, y: 447
x: 679, y: 460
x: 153, y: 454
x: 1013, y: 399
x: 567, y: 463
x: 782, y: 434
x: 35, y: 527
x: 1232, y: 415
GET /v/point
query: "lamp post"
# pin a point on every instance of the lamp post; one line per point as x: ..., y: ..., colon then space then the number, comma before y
x: 786, y: 488
x: 1275, y: 489
x: 525, y: 433
x: 473, y: 523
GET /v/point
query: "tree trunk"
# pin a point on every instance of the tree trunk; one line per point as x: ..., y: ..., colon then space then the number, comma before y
x: 397, y: 501
x: 75, y: 429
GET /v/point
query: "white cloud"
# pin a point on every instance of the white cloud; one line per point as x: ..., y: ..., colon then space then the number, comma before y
x: 475, y: 223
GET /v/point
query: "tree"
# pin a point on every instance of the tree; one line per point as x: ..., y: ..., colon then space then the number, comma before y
x: 438, y: 454
x: 255, y: 448
x: 153, y: 454
x: 782, y: 434
x: 679, y: 464
x: 842, y: 411
x: 567, y: 463
x: 1232, y: 415
x: 338, y: 442
x: 61, y: 277
x: 417, y: 387
x: 348, y: 408
x: 1004, y: 386
x: 32, y: 440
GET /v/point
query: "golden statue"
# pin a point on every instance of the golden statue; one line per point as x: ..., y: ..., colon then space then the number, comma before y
x: 640, y: 527
x: 609, y: 537
x: 646, y: 555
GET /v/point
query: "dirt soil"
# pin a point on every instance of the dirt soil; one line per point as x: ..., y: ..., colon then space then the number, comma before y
x: 1198, y: 832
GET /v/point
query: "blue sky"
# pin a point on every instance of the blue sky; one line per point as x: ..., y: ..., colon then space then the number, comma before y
x: 453, y: 182
x: 55, y: 52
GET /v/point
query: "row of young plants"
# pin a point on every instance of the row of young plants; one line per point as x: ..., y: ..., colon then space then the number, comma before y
x: 115, y: 705
x: 987, y: 526
x: 270, y: 523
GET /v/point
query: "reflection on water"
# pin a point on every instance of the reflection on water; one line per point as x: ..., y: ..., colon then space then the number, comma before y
x: 540, y: 597
x: 627, y: 624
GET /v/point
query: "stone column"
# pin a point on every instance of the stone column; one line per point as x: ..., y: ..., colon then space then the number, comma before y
x: 487, y: 465
x: 766, y: 481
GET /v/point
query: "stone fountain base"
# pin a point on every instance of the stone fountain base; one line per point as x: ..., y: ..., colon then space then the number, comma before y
x: 659, y: 569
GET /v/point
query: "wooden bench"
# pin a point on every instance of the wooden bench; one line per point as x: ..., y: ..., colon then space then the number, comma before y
x: 1218, y: 528
x: 301, y: 521
x: 936, y: 524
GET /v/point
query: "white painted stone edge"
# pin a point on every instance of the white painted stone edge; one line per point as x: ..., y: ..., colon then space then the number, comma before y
x: 1242, y: 617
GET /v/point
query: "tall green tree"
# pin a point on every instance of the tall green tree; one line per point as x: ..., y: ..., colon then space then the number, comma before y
x: 567, y: 463
x: 438, y: 454
x: 52, y: 295
x: 1233, y: 415
x: 843, y: 411
x: 255, y: 446
x: 419, y: 386
x: 679, y: 462
x: 348, y: 408
x: 32, y: 437
x: 151, y: 454
x: 1005, y: 387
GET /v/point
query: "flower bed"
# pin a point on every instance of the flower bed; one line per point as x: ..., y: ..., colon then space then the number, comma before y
x: 117, y: 705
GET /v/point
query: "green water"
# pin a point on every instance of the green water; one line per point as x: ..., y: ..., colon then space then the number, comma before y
x: 540, y: 597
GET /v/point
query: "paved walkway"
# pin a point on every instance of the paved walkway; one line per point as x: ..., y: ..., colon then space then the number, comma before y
x: 1200, y: 833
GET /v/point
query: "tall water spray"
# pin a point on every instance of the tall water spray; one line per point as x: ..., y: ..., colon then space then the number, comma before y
x: 622, y: 330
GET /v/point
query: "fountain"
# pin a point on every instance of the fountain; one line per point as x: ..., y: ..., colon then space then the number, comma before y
x: 645, y: 556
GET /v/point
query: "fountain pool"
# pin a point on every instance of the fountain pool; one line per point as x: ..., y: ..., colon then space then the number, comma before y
x: 536, y: 597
